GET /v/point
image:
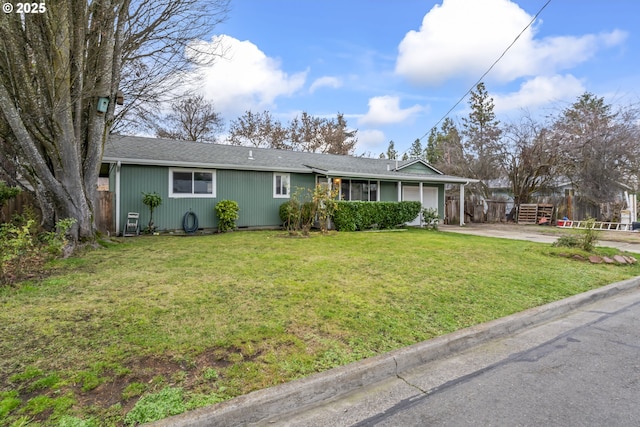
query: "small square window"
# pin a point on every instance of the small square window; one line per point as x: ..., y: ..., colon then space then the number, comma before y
x: 281, y: 185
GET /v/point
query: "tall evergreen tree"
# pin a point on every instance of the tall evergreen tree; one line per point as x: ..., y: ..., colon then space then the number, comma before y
x: 444, y: 149
x: 482, y: 134
x: 392, y: 154
x: 416, y: 152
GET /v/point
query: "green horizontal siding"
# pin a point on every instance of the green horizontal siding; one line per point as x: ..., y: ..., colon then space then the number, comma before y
x: 253, y: 190
x: 135, y: 180
x: 418, y: 168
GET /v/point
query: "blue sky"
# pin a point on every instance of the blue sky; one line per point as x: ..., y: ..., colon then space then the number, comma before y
x: 394, y: 68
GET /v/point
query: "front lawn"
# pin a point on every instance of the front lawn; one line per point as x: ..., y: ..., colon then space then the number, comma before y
x: 158, y: 325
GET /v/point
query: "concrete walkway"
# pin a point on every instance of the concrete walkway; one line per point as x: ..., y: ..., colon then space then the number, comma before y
x: 622, y: 240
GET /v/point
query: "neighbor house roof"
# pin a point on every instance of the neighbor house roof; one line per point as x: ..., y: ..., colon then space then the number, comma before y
x: 165, y: 152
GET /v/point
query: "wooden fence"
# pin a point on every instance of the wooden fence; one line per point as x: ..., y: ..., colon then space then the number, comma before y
x: 18, y: 205
x: 478, y: 211
x: 105, y: 221
x: 475, y: 210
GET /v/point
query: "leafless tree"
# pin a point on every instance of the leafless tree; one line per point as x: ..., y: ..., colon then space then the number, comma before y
x: 530, y: 159
x: 600, y: 146
x: 304, y: 133
x: 191, y: 119
x: 321, y: 135
x: 62, y: 72
x: 257, y: 130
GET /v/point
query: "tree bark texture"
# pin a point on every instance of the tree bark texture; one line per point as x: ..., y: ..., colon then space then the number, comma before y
x: 55, y: 66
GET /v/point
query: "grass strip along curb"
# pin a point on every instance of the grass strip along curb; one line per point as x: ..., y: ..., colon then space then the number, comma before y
x: 262, y: 404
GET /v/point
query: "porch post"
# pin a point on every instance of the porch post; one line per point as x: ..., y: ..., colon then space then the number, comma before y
x: 118, y: 197
x: 421, y: 202
x: 461, y: 205
x: 399, y: 191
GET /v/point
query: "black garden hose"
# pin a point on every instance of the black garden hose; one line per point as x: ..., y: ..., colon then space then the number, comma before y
x: 190, y: 222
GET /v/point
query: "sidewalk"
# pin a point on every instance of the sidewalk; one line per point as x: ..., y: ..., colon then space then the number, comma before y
x: 622, y: 240
x: 328, y: 396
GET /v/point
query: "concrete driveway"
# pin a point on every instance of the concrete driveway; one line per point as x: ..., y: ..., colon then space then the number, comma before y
x: 623, y: 240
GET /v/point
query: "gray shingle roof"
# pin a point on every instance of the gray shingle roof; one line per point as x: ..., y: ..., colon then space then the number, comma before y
x: 164, y: 152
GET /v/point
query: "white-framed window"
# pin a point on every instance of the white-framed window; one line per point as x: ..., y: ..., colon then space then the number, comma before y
x: 281, y: 185
x: 363, y: 190
x: 192, y: 183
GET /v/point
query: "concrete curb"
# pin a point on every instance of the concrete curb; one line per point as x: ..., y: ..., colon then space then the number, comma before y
x: 289, y: 397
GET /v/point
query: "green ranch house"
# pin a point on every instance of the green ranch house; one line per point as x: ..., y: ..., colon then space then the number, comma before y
x: 194, y: 176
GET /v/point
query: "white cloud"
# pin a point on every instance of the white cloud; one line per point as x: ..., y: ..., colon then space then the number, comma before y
x: 462, y: 38
x: 386, y: 110
x: 327, y: 81
x: 538, y: 92
x: 244, y: 78
x: 371, y: 142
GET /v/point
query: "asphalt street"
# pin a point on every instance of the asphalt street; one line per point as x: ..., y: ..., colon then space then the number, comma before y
x: 582, y: 369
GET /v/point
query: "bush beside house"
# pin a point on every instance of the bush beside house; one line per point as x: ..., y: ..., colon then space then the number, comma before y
x: 354, y: 216
x: 228, y: 213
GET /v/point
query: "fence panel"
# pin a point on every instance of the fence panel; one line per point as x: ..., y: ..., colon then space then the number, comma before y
x: 17, y: 205
x: 105, y: 221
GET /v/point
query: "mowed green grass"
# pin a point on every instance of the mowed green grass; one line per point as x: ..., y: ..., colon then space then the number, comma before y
x: 221, y: 315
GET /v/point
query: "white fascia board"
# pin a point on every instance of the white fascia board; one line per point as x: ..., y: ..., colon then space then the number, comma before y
x: 411, y: 178
x: 170, y: 163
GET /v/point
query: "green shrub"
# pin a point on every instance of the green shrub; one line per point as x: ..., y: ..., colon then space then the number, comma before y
x: 7, y: 193
x: 152, y: 201
x: 300, y: 212
x: 22, y: 248
x: 589, y: 236
x: 430, y: 218
x: 353, y: 216
x: 57, y: 240
x: 325, y: 204
x: 290, y: 214
x: 227, y: 211
x: 569, y: 241
x: 297, y: 215
x: 585, y: 240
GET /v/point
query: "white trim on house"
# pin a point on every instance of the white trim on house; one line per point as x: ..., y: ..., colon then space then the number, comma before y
x: 117, y: 185
x: 195, y: 192
x: 282, y: 189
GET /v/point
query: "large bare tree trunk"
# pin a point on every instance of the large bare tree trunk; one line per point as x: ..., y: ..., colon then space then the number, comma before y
x: 57, y: 64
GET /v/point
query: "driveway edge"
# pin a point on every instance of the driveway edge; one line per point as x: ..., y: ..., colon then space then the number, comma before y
x: 292, y: 396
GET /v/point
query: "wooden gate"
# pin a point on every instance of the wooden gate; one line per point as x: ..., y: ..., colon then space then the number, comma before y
x: 105, y: 221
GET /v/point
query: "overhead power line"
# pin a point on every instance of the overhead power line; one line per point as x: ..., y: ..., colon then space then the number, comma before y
x: 489, y: 69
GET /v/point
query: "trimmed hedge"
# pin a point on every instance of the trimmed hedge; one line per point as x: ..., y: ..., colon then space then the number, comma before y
x: 354, y: 216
